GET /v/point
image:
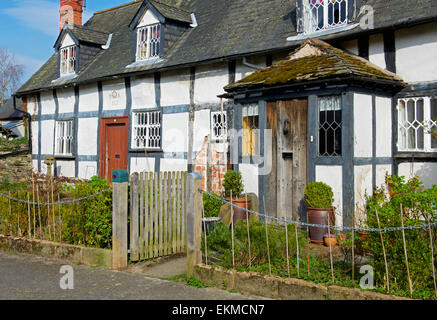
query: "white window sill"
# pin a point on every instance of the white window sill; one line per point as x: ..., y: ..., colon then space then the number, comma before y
x: 316, y: 34
x: 144, y: 62
x: 66, y: 77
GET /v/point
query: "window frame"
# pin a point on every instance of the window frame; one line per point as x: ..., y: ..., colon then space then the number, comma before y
x: 426, y: 124
x: 222, y: 125
x: 311, y: 11
x: 69, y: 58
x: 147, y: 44
x: 340, y: 127
x: 134, y: 147
x: 64, y: 138
x: 251, y: 137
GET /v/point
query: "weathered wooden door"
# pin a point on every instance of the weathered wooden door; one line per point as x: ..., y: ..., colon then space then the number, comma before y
x: 114, y: 138
x: 286, y: 183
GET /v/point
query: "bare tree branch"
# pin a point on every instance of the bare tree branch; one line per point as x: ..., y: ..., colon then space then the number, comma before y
x: 11, y: 74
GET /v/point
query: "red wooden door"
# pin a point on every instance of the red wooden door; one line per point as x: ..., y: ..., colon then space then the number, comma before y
x: 114, y: 139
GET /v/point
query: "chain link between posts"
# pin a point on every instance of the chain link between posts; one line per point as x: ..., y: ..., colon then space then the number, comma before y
x: 303, y: 224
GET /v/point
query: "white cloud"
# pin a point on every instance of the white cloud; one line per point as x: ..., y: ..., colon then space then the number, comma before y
x: 39, y: 15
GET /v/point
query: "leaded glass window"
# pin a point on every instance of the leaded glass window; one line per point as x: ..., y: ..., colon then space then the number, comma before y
x: 64, y: 137
x: 417, y: 118
x: 219, y: 126
x: 148, y: 42
x: 330, y: 126
x: 326, y: 14
x: 68, y: 60
x: 147, y: 130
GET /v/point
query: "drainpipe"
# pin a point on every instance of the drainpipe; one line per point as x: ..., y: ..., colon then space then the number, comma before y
x: 29, y: 122
x: 247, y: 64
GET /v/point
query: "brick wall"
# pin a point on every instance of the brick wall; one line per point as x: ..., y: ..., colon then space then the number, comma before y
x: 212, y: 171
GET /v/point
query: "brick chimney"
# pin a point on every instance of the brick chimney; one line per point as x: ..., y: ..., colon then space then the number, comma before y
x: 71, y: 12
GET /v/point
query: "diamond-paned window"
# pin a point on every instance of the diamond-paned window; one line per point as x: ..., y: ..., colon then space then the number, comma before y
x: 330, y: 126
x: 64, y: 137
x: 417, y: 118
x: 219, y: 125
x: 148, y: 42
x: 68, y: 60
x: 326, y: 14
x: 147, y: 130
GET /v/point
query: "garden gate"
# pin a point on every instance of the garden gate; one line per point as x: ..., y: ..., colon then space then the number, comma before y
x: 157, y: 224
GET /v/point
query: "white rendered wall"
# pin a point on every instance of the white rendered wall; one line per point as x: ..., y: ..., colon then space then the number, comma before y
x: 32, y: 105
x: 87, y: 169
x: 67, y: 41
x: 143, y: 92
x: 88, y: 98
x: 381, y: 171
x: 141, y: 164
x: 249, y: 173
x: 175, y: 132
x: 426, y: 171
x: 44, y: 168
x: 210, y: 81
x: 148, y: 19
x: 416, y: 53
x: 363, y: 125
x: 201, y: 128
x: 376, y: 50
x: 383, y: 127
x: 47, y: 131
x: 333, y: 176
x: 175, y: 88
x: 66, y: 169
x: 35, y: 165
x: 363, y: 185
x: 47, y: 103
x: 35, y: 128
x: 66, y: 100
x: 173, y: 165
x: 114, y: 95
x: 87, y: 136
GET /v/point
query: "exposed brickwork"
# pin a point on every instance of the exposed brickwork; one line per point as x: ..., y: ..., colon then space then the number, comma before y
x: 71, y: 12
x: 213, y: 171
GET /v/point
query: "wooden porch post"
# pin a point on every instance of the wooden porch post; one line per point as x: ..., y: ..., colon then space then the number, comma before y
x: 194, y: 198
x: 120, y: 180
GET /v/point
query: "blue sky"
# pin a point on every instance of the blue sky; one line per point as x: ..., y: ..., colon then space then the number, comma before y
x: 29, y: 28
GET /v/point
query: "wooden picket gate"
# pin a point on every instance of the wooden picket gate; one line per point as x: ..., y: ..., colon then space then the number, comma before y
x: 157, y: 223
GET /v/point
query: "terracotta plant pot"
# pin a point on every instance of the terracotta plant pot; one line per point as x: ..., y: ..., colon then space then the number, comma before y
x: 318, y: 216
x: 330, y: 241
x: 240, y: 213
x: 341, y: 238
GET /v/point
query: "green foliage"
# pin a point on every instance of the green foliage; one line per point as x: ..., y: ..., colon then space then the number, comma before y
x: 13, y: 145
x: 319, y: 195
x: 211, y: 206
x: 92, y: 223
x: 233, y: 182
x: 419, y: 205
x: 189, y: 281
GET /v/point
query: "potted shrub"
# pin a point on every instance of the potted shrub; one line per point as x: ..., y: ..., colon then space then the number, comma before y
x: 211, y: 207
x: 319, y: 199
x: 234, y: 182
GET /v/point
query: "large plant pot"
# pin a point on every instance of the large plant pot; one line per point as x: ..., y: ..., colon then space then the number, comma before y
x: 318, y: 216
x: 210, y: 224
x: 239, y: 212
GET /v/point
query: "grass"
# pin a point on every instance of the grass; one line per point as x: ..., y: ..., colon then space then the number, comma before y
x: 13, y: 145
x: 189, y: 281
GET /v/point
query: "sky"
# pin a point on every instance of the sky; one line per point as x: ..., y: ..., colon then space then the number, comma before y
x: 29, y: 28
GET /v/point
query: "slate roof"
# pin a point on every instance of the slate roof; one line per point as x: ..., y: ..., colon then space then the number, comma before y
x: 227, y: 29
x: 315, y: 60
x: 172, y: 12
x: 84, y: 34
x: 7, y: 111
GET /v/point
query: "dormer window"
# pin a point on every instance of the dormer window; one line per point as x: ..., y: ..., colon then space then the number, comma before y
x: 326, y: 14
x: 148, y: 42
x: 68, y: 60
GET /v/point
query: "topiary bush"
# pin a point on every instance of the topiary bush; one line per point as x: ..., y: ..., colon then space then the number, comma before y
x: 319, y: 195
x: 418, y: 205
x: 233, y: 181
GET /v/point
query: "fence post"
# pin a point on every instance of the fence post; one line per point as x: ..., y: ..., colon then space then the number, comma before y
x: 194, y: 200
x: 120, y: 180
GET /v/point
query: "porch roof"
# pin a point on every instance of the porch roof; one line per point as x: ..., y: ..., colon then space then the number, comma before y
x: 315, y: 60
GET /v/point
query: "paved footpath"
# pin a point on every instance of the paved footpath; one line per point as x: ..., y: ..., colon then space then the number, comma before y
x: 25, y: 277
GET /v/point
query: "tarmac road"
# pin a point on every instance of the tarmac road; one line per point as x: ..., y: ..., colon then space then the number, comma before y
x: 25, y: 277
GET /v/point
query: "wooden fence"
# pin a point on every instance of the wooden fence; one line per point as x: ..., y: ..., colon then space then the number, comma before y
x: 157, y: 214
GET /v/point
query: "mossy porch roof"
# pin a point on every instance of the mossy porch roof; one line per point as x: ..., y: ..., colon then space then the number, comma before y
x: 314, y: 60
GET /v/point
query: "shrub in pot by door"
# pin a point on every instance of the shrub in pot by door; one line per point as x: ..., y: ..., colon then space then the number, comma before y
x: 234, y: 182
x: 319, y: 199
